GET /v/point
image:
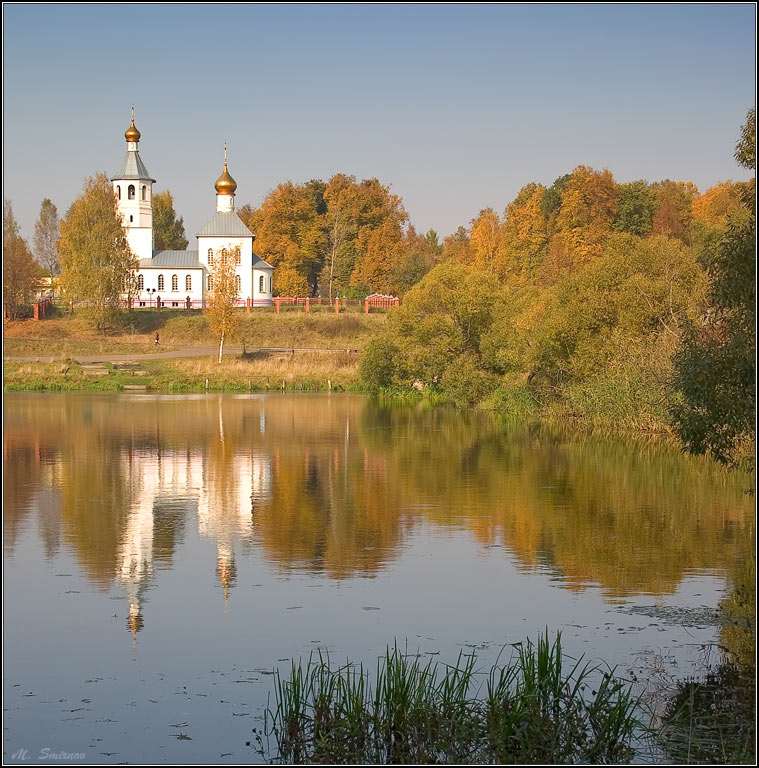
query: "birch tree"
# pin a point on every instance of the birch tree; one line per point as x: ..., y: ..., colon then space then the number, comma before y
x: 20, y: 271
x: 222, y: 295
x: 97, y: 265
x: 46, y: 233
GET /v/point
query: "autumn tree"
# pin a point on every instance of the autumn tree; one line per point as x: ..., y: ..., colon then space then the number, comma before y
x: 486, y: 241
x: 289, y: 282
x: 589, y: 205
x: 525, y: 234
x: 289, y: 227
x: 340, y: 196
x: 20, y: 272
x: 674, y: 208
x: 222, y: 296
x: 715, y: 206
x: 46, y: 234
x: 97, y: 265
x: 457, y: 247
x: 716, y: 369
x: 745, y: 149
x: 168, y: 230
x: 419, y: 256
x: 637, y: 203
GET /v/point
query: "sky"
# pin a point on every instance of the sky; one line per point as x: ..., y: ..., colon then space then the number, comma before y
x: 454, y: 107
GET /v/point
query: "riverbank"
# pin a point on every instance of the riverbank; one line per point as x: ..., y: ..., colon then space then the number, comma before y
x: 251, y: 372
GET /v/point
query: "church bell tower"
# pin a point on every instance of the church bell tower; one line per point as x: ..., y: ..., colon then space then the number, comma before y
x: 133, y: 187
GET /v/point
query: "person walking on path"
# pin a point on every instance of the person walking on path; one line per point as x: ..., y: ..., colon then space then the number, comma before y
x: 156, y: 338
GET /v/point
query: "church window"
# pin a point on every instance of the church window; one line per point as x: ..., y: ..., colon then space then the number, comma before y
x: 210, y: 282
x: 238, y: 259
x: 130, y: 192
x: 210, y: 257
x: 223, y: 253
x: 188, y: 283
x: 174, y: 283
x: 140, y: 282
x: 261, y: 284
x: 238, y: 283
x: 160, y: 282
x: 118, y: 191
x: 144, y: 192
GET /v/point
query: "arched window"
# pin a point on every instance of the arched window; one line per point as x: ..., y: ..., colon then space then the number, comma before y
x: 188, y: 283
x: 130, y: 192
x: 223, y: 253
x: 118, y: 191
x: 140, y: 282
x: 210, y: 257
x: 238, y: 259
x: 144, y: 192
x: 261, y: 284
x: 160, y: 282
x: 238, y: 283
x: 174, y: 283
x: 210, y: 282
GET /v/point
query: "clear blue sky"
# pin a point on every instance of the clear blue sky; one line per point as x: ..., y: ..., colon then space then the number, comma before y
x: 456, y: 107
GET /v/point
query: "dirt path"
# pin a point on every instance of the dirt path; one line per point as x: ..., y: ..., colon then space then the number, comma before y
x: 126, y: 357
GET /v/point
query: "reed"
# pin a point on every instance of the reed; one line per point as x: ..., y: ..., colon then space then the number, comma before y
x: 531, y: 710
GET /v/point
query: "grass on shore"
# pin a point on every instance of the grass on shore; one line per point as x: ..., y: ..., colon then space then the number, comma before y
x: 303, y: 371
x: 533, y: 710
x: 67, y: 334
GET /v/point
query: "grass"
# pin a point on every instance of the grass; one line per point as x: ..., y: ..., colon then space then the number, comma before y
x: 66, y: 336
x: 302, y: 371
x: 532, y: 710
x: 713, y: 721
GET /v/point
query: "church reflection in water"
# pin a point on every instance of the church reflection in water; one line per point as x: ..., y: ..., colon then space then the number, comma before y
x: 222, y: 503
x: 336, y: 487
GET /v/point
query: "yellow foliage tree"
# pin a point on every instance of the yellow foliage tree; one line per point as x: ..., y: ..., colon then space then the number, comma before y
x: 717, y: 203
x: 222, y: 295
x: 290, y: 282
x: 486, y: 241
x: 590, y: 201
x: 525, y: 236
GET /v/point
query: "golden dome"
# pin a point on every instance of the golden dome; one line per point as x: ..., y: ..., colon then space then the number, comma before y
x: 225, y: 185
x: 132, y: 134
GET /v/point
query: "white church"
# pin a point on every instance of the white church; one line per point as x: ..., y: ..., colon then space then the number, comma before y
x: 183, y: 278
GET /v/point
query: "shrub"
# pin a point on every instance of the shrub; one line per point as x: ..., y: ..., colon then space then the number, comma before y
x: 378, y: 364
x: 465, y: 383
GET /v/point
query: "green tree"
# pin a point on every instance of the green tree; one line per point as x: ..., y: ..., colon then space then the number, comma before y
x: 745, y: 149
x: 168, y: 230
x: 637, y: 203
x: 716, y: 368
x: 46, y: 234
x: 97, y: 265
x: 222, y: 295
x: 20, y: 272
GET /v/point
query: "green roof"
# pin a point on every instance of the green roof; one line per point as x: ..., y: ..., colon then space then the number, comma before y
x: 172, y: 260
x: 132, y: 167
x: 261, y: 264
x: 225, y: 224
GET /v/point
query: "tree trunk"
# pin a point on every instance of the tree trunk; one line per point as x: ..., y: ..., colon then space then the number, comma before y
x: 221, y: 346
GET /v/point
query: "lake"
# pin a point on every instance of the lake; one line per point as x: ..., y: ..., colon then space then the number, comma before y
x: 164, y: 554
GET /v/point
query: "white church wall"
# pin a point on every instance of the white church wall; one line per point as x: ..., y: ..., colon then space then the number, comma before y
x: 168, y: 296
x: 243, y: 270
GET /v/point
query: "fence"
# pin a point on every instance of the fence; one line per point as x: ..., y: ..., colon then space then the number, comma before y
x: 278, y: 304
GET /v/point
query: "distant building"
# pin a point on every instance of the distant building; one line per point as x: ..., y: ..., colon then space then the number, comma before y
x: 176, y: 276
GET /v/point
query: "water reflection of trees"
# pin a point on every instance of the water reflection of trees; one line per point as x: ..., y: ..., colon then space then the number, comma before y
x: 335, y: 486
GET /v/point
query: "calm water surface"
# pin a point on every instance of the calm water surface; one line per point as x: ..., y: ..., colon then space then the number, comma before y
x: 164, y: 554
